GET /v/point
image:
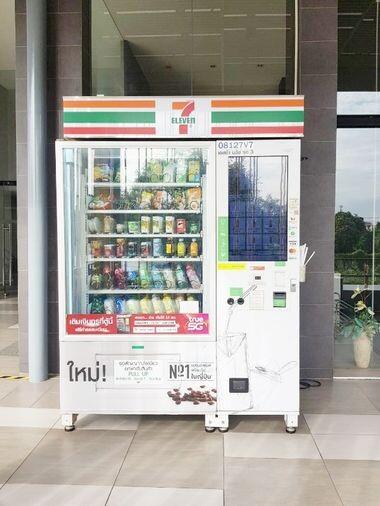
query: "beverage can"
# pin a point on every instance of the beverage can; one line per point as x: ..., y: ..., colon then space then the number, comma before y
x: 120, y: 247
x: 109, y: 250
x: 157, y: 247
x: 169, y: 224
x: 145, y: 249
x: 181, y: 226
x: 109, y: 225
x: 145, y: 224
x: 157, y: 224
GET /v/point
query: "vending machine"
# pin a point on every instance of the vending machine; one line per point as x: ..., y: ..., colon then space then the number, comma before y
x: 178, y: 239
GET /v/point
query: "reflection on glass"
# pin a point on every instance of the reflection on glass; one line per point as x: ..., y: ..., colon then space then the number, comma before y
x: 258, y: 193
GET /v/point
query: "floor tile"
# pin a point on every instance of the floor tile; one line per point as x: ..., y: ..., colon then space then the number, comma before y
x: 28, y: 417
x: 172, y: 423
x: 9, y: 365
x: 343, y: 424
x: 6, y: 386
x: 348, y: 446
x: 128, y: 496
x: 105, y: 422
x: 59, y: 495
x: 48, y: 400
x: 15, y: 445
x: 25, y: 394
x: 357, y: 482
x: 87, y: 457
x: 271, y: 482
x: 267, y: 446
x: 270, y: 424
x: 338, y: 397
x: 179, y: 459
x: 371, y: 389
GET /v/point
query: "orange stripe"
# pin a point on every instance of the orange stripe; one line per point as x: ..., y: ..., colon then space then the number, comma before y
x: 103, y: 104
x: 292, y: 102
x: 179, y: 105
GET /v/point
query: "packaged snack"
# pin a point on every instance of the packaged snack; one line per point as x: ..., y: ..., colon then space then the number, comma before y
x: 108, y: 279
x: 132, y: 249
x: 159, y: 199
x: 132, y: 305
x: 157, y: 225
x: 158, y: 250
x: 101, y: 202
x: 155, y: 169
x: 180, y: 278
x: 146, y: 305
x: 181, y: 226
x: 194, y: 171
x: 96, y: 249
x: 96, y: 280
x: 168, y: 304
x: 181, y: 172
x: 133, y: 227
x: 119, y: 278
x: 169, y: 224
x: 103, y: 173
x: 94, y: 225
x: 109, y: 224
x: 120, y: 247
x: 169, y: 172
x: 194, y: 227
x: 119, y: 228
x: 168, y: 278
x: 194, y: 196
x: 146, y: 199
x: 132, y: 276
x: 109, y: 305
x: 158, y: 306
x: 145, y: 224
x: 97, y: 305
x: 179, y: 199
x: 192, y: 277
x: 146, y: 249
x: 109, y: 250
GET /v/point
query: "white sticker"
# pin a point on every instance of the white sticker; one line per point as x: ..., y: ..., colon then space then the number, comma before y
x: 137, y: 372
x: 193, y: 371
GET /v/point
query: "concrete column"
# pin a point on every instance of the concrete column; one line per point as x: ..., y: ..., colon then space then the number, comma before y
x: 37, y: 209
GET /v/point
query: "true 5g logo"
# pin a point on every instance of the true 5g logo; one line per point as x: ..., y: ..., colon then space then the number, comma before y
x: 196, y: 323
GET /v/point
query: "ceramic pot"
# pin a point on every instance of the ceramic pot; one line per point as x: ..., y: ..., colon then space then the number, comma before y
x: 362, y: 351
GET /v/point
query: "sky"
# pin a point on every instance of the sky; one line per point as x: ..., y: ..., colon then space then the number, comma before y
x: 358, y: 157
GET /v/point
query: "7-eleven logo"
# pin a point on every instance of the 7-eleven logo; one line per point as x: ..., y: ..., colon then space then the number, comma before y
x: 183, y: 121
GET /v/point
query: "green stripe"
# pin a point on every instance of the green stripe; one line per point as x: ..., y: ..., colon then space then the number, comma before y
x: 257, y: 116
x: 137, y: 347
x: 223, y: 238
x: 109, y: 117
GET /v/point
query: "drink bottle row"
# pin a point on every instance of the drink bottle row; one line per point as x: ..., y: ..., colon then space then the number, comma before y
x: 146, y: 304
x: 147, y: 199
x: 155, y: 171
x: 144, y: 248
x: 143, y: 225
x: 141, y: 275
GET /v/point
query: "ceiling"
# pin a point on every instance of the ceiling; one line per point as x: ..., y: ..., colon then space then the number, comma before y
x: 7, y: 44
x: 197, y: 46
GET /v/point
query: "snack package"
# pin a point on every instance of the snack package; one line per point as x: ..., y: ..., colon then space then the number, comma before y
x: 94, y: 225
x: 194, y: 196
x: 103, y: 173
x: 146, y: 199
x: 194, y: 171
x: 159, y: 199
x: 145, y: 224
x: 181, y: 172
x: 169, y: 172
x: 155, y: 170
x: 179, y: 199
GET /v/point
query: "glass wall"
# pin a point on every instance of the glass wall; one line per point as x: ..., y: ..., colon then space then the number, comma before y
x: 357, y: 219
x: 193, y: 47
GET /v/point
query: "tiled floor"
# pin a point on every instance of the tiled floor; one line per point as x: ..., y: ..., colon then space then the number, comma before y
x: 333, y: 459
x: 9, y: 360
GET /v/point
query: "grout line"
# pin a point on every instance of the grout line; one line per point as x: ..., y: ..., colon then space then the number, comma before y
x: 223, y: 475
x: 121, y: 465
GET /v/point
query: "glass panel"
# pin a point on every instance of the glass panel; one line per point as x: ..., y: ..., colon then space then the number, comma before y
x: 187, y: 47
x: 135, y: 221
x: 257, y: 198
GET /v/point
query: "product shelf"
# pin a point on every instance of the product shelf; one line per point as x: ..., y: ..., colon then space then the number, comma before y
x: 136, y: 291
x: 143, y: 211
x: 144, y: 259
x: 143, y: 236
x: 143, y: 185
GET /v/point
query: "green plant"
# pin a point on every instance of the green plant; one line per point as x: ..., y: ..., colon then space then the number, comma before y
x: 364, y: 321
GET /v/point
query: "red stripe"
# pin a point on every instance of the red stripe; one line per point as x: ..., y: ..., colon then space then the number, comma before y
x: 109, y: 130
x: 258, y: 130
x: 188, y: 109
x: 183, y: 129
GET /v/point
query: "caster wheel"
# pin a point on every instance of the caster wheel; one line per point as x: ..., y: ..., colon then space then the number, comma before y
x: 291, y: 430
x: 223, y: 429
x: 69, y: 428
x: 210, y: 429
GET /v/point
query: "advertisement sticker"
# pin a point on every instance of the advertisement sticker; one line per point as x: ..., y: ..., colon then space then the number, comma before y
x: 180, y: 323
x: 137, y: 371
x: 91, y: 324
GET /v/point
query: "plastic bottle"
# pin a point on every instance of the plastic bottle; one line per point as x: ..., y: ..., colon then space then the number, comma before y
x: 145, y: 280
x: 157, y: 278
x: 168, y: 304
x: 194, y: 250
x: 192, y: 277
x: 146, y: 305
x: 181, y: 248
x: 158, y: 306
x: 180, y: 278
x: 169, y: 247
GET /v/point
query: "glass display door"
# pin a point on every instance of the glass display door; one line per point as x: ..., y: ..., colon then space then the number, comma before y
x: 136, y: 218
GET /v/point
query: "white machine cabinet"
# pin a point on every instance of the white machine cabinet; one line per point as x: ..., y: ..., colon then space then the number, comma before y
x: 179, y: 261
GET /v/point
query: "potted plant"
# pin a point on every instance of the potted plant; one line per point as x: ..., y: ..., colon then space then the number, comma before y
x: 361, y: 329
